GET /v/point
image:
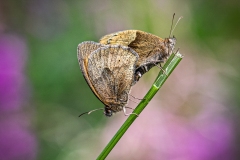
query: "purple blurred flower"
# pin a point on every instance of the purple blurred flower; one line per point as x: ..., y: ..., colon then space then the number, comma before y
x: 16, y: 140
x: 12, y: 60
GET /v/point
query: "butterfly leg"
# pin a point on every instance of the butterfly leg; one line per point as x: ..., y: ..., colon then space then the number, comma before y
x: 135, y: 97
x: 127, y: 114
x: 160, y: 67
x: 132, y: 100
x: 156, y: 64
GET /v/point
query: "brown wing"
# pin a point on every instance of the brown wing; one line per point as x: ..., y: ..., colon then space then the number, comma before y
x: 111, y: 72
x: 123, y: 38
x: 83, y: 52
x: 145, y: 44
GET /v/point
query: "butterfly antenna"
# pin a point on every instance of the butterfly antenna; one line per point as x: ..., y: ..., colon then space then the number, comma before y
x: 89, y: 112
x: 175, y: 25
x: 171, y: 25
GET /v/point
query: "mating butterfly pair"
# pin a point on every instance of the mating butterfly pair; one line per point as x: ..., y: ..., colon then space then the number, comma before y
x: 118, y: 61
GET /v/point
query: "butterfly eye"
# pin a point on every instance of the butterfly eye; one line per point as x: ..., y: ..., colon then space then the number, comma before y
x: 172, y: 41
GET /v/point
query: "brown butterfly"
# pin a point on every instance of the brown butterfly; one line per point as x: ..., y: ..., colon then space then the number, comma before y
x: 151, y: 49
x: 109, y: 72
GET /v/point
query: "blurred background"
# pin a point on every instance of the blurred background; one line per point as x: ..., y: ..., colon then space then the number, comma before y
x: 195, y: 116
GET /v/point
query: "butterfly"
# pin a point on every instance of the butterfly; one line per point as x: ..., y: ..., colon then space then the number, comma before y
x: 109, y: 71
x: 151, y: 49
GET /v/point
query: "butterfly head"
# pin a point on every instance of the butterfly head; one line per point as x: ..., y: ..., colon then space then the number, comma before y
x: 108, y: 112
x: 170, y: 43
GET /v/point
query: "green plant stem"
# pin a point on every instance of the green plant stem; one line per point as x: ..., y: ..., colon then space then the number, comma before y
x: 169, y: 66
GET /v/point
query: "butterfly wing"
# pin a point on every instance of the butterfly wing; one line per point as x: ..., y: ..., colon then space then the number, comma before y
x: 145, y: 44
x: 150, y: 48
x: 123, y: 38
x: 84, y: 50
x: 111, y: 72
